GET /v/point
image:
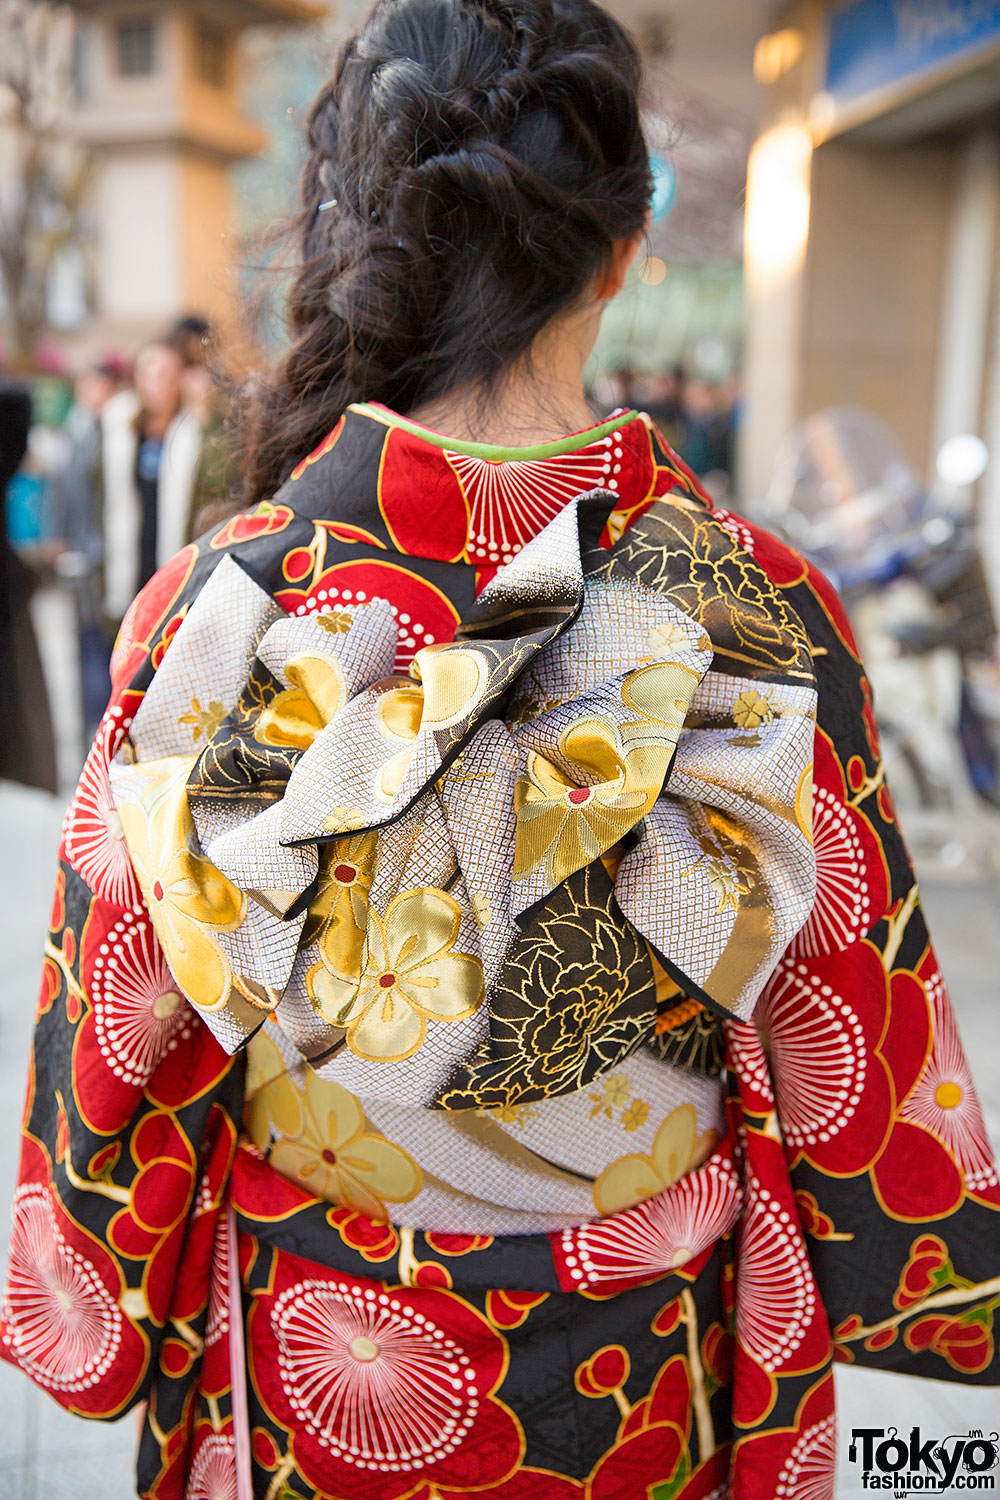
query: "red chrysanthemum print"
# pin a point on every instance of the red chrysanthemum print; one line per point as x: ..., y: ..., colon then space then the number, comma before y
x: 264, y: 520
x: 822, y: 1059
x: 656, y: 1237
x: 792, y: 1463
x: 944, y: 1101
x: 62, y: 1320
x: 382, y: 1386
x: 776, y: 1310
x: 852, y: 882
x: 139, y: 1014
x: 212, y: 1474
x: 64, y: 1325
x: 93, y: 840
x: 136, y: 1032
x: 423, y: 615
x: 147, y: 610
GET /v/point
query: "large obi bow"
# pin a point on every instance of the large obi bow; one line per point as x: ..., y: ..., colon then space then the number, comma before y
x: 486, y: 882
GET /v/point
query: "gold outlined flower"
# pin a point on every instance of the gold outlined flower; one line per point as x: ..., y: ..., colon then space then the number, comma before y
x: 316, y: 1134
x: 752, y: 709
x: 411, y: 975
x: 676, y: 1148
x: 189, y: 900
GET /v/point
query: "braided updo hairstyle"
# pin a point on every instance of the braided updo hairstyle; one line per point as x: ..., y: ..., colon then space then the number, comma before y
x: 472, y: 163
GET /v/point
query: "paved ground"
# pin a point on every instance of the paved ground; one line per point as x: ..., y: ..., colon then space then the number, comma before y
x: 47, y: 1455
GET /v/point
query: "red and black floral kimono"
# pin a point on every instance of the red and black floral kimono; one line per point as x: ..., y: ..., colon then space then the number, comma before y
x: 489, y: 1043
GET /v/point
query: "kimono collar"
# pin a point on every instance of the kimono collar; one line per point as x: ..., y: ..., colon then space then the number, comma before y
x: 403, y: 488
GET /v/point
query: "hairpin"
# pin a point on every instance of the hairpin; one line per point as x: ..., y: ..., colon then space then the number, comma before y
x: 330, y: 203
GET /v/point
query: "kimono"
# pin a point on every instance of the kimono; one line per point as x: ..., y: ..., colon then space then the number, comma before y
x: 489, y: 1042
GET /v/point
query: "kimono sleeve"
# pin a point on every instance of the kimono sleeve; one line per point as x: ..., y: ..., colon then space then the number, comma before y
x: 132, y: 1106
x: 894, y: 1176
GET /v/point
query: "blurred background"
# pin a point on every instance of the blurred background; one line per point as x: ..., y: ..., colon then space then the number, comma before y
x: 814, y: 323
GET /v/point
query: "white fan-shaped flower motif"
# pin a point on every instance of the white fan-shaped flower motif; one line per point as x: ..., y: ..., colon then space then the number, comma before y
x: 95, y: 844
x: 737, y: 528
x: 659, y: 1235
x: 842, y: 909
x: 217, y: 1318
x: 819, y: 1058
x: 944, y: 1099
x: 749, y: 1056
x: 64, y: 1327
x: 777, y: 1293
x: 213, y: 1471
x: 380, y: 1385
x: 510, y: 502
x: 810, y: 1468
x: 139, y: 1013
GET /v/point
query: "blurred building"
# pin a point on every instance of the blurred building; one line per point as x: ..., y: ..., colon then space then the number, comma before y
x: 159, y: 104
x: 872, y: 246
x: 684, y: 305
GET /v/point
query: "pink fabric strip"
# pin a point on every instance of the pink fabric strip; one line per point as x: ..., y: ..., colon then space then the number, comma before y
x: 238, y: 1365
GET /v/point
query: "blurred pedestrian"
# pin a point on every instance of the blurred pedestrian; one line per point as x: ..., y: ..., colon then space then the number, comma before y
x: 150, y: 449
x: 76, y: 533
x: 27, y: 746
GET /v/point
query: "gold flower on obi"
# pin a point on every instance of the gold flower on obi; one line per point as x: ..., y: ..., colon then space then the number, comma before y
x: 448, y: 682
x: 316, y: 1133
x: 411, y: 975
x: 296, y: 716
x: 189, y: 900
x: 752, y: 709
x: 567, y: 826
x: 727, y: 864
x: 339, y: 910
x: 676, y: 1149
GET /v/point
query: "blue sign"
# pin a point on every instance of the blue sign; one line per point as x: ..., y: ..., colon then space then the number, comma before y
x: 664, y: 186
x: 875, y: 43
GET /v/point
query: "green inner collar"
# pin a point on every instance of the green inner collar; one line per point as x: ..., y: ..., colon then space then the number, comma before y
x: 487, y: 450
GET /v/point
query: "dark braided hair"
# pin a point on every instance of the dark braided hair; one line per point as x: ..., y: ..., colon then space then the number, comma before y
x: 472, y: 163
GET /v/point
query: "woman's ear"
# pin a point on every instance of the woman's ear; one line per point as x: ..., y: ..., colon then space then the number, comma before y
x: 623, y: 253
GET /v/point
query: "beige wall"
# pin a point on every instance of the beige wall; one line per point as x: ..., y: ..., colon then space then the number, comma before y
x: 138, y: 200
x: 874, y: 285
x: 851, y: 311
x: 206, y: 239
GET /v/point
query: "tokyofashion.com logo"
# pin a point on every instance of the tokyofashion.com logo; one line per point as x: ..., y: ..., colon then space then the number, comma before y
x: 920, y: 1465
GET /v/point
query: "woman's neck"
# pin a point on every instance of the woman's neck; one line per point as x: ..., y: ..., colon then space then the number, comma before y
x: 539, y: 401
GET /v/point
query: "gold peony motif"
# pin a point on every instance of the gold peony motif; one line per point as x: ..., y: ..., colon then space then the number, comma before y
x: 315, y: 1133
x: 676, y: 1149
x: 411, y: 975
x: 189, y: 900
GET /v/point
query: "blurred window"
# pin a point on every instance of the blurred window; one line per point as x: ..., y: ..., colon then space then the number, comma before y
x: 136, y: 38
x: 211, y: 56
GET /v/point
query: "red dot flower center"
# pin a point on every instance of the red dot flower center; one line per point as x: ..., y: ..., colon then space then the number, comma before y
x: 345, y: 874
x: 578, y: 795
x: 157, y: 891
x: 386, y: 981
x: 330, y: 1157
